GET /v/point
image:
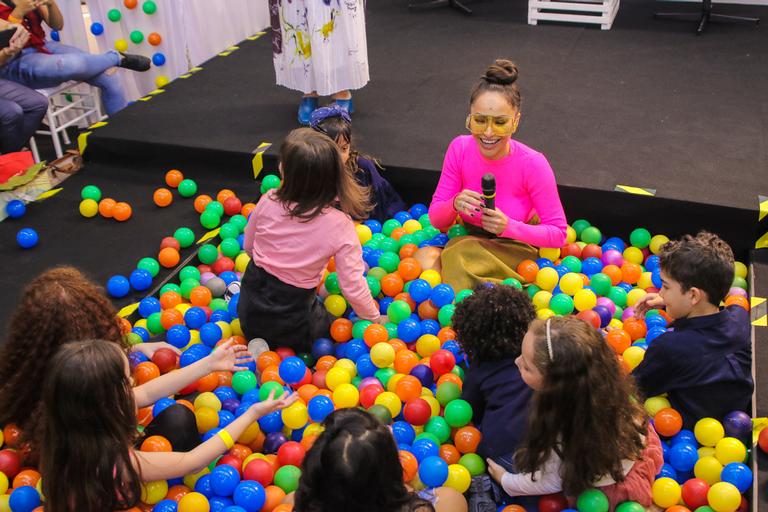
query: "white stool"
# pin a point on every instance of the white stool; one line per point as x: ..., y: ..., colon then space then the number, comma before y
x: 599, y: 12
x: 84, y: 109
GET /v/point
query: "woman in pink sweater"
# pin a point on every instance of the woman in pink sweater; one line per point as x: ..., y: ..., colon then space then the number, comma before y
x: 528, y: 211
x: 291, y: 235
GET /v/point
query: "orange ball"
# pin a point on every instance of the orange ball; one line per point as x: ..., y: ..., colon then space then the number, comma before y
x: 240, y: 451
x: 392, y: 284
x: 410, y: 465
x: 162, y: 197
x: 208, y: 382
x: 409, y: 269
x: 144, y: 415
x: 271, y: 374
x: 397, y: 233
x: 225, y: 378
x: 407, y: 298
x: 737, y: 300
x: 405, y: 360
x: 613, y: 272
x: 331, y: 267
x: 619, y: 340
x: 154, y: 39
x: 224, y: 194
x: 449, y: 377
x: 130, y: 4
x: 408, y: 250
x: 170, y: 299
x: 513, y: 508
x: 173, y: 178
x: 125, y: 326
x: 177, y: 492
x: 449, y: 454
x: 156, y: 444
x: 428, y: 310
x: 169, y: 257
x: 283, y: 507
x: 145, y: 372
x: 247, y: 209
x: 268, y: 358
x: 445, y: 334
x: 275, y: 496
x: 26, y: 477
x: 631, y: 272
x: 635, y: 328
x: 341, y: 330
x: 466, y: 439
x: 528, y: 270
x: 325, y: 363
x: 408, y: 388
x: 171, y: 317
x: 307, y: 391
x: 187, y: 404
x: 201, y: 202
x: 122, y: 212
x: 375, y: 333
x: 308, y: 441
x: 107, y: 207
x: 668, y: 422
x: 397, y: 344
x: 200, y: 296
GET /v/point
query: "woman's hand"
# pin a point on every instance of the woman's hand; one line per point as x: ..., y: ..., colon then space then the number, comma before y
x: 495, y: 470
x: 468, y: 202
x: 271, y: 404
x: 229, y: 356
x: 648, y: 302
x: 494, y: 221
x: 18, y: 40
x: 149, y: 348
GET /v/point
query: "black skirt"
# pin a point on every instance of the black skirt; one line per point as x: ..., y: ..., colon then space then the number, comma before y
x: 283, y: 314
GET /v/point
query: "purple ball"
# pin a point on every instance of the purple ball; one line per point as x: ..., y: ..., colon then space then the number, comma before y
x: 608, y: 303
x: 737, y: 424
x: 206, y: 276
x: 424, y: 374
x: 604, y: 313
x: 274, y: 441
x: 628, y: 313
x: 741, y: 292
x: 230, y: 404
x: 367, y: 381
x: 612, y: 257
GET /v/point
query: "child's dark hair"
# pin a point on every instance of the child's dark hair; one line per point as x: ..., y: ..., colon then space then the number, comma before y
x: 340, y: 130
x: 499, y: 77
x: 490, y: 323
x: 90, y: 427
x: 585, y: 410
x: 354, y: 465
x: 315, y: 178
x: 703, y: 261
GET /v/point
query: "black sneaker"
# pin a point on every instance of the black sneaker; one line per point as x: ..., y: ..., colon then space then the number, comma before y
x: 480, y: 495
x: 134, y: 62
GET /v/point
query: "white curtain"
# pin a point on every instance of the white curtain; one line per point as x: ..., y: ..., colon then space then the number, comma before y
x: 192, y: 31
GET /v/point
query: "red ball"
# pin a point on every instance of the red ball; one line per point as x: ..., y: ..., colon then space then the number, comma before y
x: 318, y: 379
x: 441, y: 362
x: 189, y: 389
x: 284, y: 352
x: 223, y: 264
x: 553, y: 503
x: 307, y: 379
x: 203, y: 268
x: 291, y: 453
x: 591, y: 251
x: 230, y: 460
x: 165, y: 359
x: 570, y: 250
x: 369, y: 393
x: 259, y: 470
x: 169, y: 241
x: 762, y: 440
x: 232, y: 206
x: 591, y: 317
x: 694, y: 493
x: 10, y: 463
x: 417, y: 411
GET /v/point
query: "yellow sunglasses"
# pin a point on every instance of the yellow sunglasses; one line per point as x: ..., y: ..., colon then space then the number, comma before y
x: 502, y: 125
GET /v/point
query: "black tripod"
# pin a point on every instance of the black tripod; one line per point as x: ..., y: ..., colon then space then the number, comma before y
x: 456, y: 4
x: 704, y: 17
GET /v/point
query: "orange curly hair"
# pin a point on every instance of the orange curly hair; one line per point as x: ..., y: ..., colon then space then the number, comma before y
x: 58, y: 306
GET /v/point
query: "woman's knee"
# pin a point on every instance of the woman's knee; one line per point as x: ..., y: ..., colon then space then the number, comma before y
x: 10, y: 113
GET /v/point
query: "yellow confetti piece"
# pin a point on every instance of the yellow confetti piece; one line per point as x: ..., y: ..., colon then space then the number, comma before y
x: 636, y: 190
x: 82, y: 142
x: 208, y: 236
x: 761, y: 322
x: 224, y: 54
x: 233, y: 48
x: 258, y: 158
x: 758, y: 424
x: 186, y: 75
x: 756, y: 301
x: 98, y: 125
x: 255, y: 36
x: 195, y: 69
x: 145, y: 98
x: 762, y: 242
x: 128, y: 310
x: 48, y: 193
x: 156, y: 92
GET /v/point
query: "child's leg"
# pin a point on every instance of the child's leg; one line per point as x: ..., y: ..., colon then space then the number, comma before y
x: 429, y: 258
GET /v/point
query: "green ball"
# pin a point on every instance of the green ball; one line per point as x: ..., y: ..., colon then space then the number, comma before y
x: 215, y: 206
x: 187, y: 188
x: 424, y: 220
x: 390, y: 245
x: 573, y: 263
x: 514, y: 283
x: 244, y: 381
x: 230, y: 247
x: 154, y: 325
x: 239, y: 221
x: 601, y: 284
x: 308, y: 359
x: 640, y: 238
x: 391, y: 330
x: 377, y: 272
x: 438, y: 427
x: 170, y: 287
x: 591, y: 235
x: 228, y: 230
x: 218, y: 304
x: 188, y: 285
x: 372, y: 244
x: 389, y: 226
x: 431, y: 231
x: 381, y: 413
x: 704, y: 508
x: 474, y: 463
x: 149, y: 7
x: 185, y: 237
x: 91, y: 192
x: 740, y: 282
x: 619, y: 313
x: 427, y: 435
x: 580, y: 225
x: 287, y: 478
x: 379, y: 237
x: 114, y: 15
x: 389, y: 261
x: 561, y: 304
x: 445, y: 315
x: 463, y: 294
x: 458, y: 370
x: 447, y: 392
x: 209, y: 219
x: 208, y: 254
x: 384, y: 374
x: 151, y: 265
x: 398, y: 311
x: 270, y: 182
x: 189, y: 272
x: 457, y: 230
x: 458, y: 413
x: 133, y: 339
x: 592, y: 500
x: 332, y: 283
x: 532, y: 290
x: 136, y: 37
x: 618, y: 296
x: 269, y: 387
x: 373, y: 285
x: 408, y: 239
x: 359, y: 328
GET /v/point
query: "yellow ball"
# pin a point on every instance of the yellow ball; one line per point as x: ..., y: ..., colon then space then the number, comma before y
x: 250, y: 434
x: 89, y: 208
x: 191, y: 479
x: 708, y: 469
x: 2, y: 439
x: 426, y: 392
x: 206, y: 419
x: 411, y: 226
x: 313, y: 429
x: 570, y: 283
x: 427, y: 344
x: 182, y: 307
x: 666, y: 492
x: 547, y: 278
x: 634, y: 295
x: 336, y: 305
x: 656, y: 242
x: 249, y: 459
x: 121, y: 45
x: 382, y: 354
x: 194, y: 502
x: 615, y: 323
x: 364, y: 233
x: 730, y: 449
x: 3, y: 483
x: 141, y: 322
x: 584, y: 300
x: 153, y: 492
x: 208, y: 399
x: 570, y: 235
x: 550, y: 253
x: 241, y: 262
x: 545, y: 313
x: 392, y: 382
x: 194, y: 337
x: 724, y: 497
x: 740, y: 269
x: 655, y: 404
x: 346, y: 395
x: 633, y: 254
x: 708, y: 431
x: 645, y: 281
x: 226, y: 330
x: 336, y: 377
x: 458, y: 478
x: 432, y: 277
x: 706, y: 451
x: 433, y: 404
x: 39, y: 487
x: 541, y: 299
x: 4, y: 505
x: 348, y: 365
x: 161, y: 81
x: 236, y: 329
x: 633, y: 356
x: 391, y: 401
x: 295, y: 416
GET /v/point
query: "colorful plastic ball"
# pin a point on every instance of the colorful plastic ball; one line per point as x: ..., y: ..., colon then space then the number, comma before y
x: 584, y: 300
x: 244, y: 381
x: 249, y: 496
x: 136, y: 36
x: 335, y: 305
x: 459, y: 478
x: 122, y: 211
x: 114, y: 15
x: 16, y: 209
x: 630, y: 506
x: 346, y: 395
x: 287, y: 478
x: 162, y: 197
x: 27, y: 238
x: 708, y: 431
x: 737, y: 474
x: 592, y: 500
x: 547, y: 278
x: 666, y: 492
x: 694, y: 493
x: 667, y: 422
x: 24, y: 499
x: 319, y: 407
x: 118, y: 286
x: 194, y: 502
x: 154, y: 39
x: 591, y: 235
x: 737, y: 424
x: 441, y: 295
x: 121, y: 45
x: 683, y: 457
x: 724, y: 497
x: 640, y: 238
x: 458, y: 413
x: 140, y: 280
x: 657, y: 242
x: 730, y: 449
x: 708, y: 468
x: 149, y: 7
x: 187, y: 188
x: 292, y: 369
x: 433, y: 471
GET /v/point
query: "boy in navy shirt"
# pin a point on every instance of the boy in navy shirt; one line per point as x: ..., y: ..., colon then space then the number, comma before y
x: 705, y: 363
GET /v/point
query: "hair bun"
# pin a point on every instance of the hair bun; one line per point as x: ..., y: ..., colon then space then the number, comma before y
x: 502, y: 72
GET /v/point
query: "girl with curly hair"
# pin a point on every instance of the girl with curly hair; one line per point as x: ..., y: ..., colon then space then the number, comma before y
x: 585, y: 428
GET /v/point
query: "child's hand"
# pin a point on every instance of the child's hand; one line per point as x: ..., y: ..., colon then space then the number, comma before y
x: 495, y: 470
x: 270, y: 404
x: 149, y: 348
x: 228, y: 356
x: 647, y: 303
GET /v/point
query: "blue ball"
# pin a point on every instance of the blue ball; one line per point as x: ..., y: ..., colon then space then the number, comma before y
x: 225, y: 418
x: 656, y: 278
x: 220, y: 503
x: 203, y: 485
x: 193, y: 354
x: 424, y: 374
x: 158, y: 59
x: 178, y: 336
x: 220, y: 315
x: 162, y: 405
x: 24, y: 499
x: 27, y: 238
x: 15, y: 208
x: 737, y: 474
x: 403, y: 432
x: 97, y: 28
x: 652, y: 321
x: 423, y: 448
x: 402, y: 216
x: 228, y: 277
x: 224, y: 393
x: 419, y: 290
x: 251, y: 396
x: 322, y: 347
x: 409, y: 330
x: 224, y: 480
x: 652, y: 263
x: 140, y: 279
x: 134, y: 358
x: 373, y: 225
x: 442, y: 295
x: 625, y: 286
x: 430, y: 326
x: 605, y: 315
x: 544, y: 262
x: 341, y: 350
x: 561, y: 270
x: 118, y: 286
x: 231, y: 508
x: 667, y: 471
x: 142, y: 333
x: 683, y: 456
x: 664, y: 449
x: 418, y: 210
x: 365, y: 367
x: 591, y: 266
x: 319, y: 407
x: 232, y: 305
x: 149, y: 305
x: 654, y: 333
x: 355, y: 348
x: 684, y: 436
x: 272, y: 422
x: 166, y: 506
x: 55, y: 35
x: 614, y: 243
x: 210, y: 334
x: 292, y: 369
x: 433, y: 471
x: 384, y: 303
x: 195, y: 317
x: 250, y: 496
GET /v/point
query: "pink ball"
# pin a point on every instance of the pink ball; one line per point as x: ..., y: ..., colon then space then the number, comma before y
x: 608, y: 303
x: 628, y: 313
x: 206, y: 276
x: 741, y: 292
x: 612, y: 257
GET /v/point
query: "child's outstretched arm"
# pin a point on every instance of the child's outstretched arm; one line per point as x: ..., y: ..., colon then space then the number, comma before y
x: 164, y: 465
x: 226, y: 357
x: 546, y: 481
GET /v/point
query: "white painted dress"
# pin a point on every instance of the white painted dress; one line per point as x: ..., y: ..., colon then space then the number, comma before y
x: 319, y: 45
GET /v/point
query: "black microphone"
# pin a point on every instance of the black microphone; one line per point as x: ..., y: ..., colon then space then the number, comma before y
x: 489, y: 191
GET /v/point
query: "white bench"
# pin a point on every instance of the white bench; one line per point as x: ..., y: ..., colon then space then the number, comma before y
x: 599, y: 12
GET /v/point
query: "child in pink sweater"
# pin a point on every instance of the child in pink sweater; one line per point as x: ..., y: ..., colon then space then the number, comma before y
x: 291, y: 235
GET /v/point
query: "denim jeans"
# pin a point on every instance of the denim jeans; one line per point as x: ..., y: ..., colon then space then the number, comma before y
x: 41, y: 70
x: 21, y: 110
